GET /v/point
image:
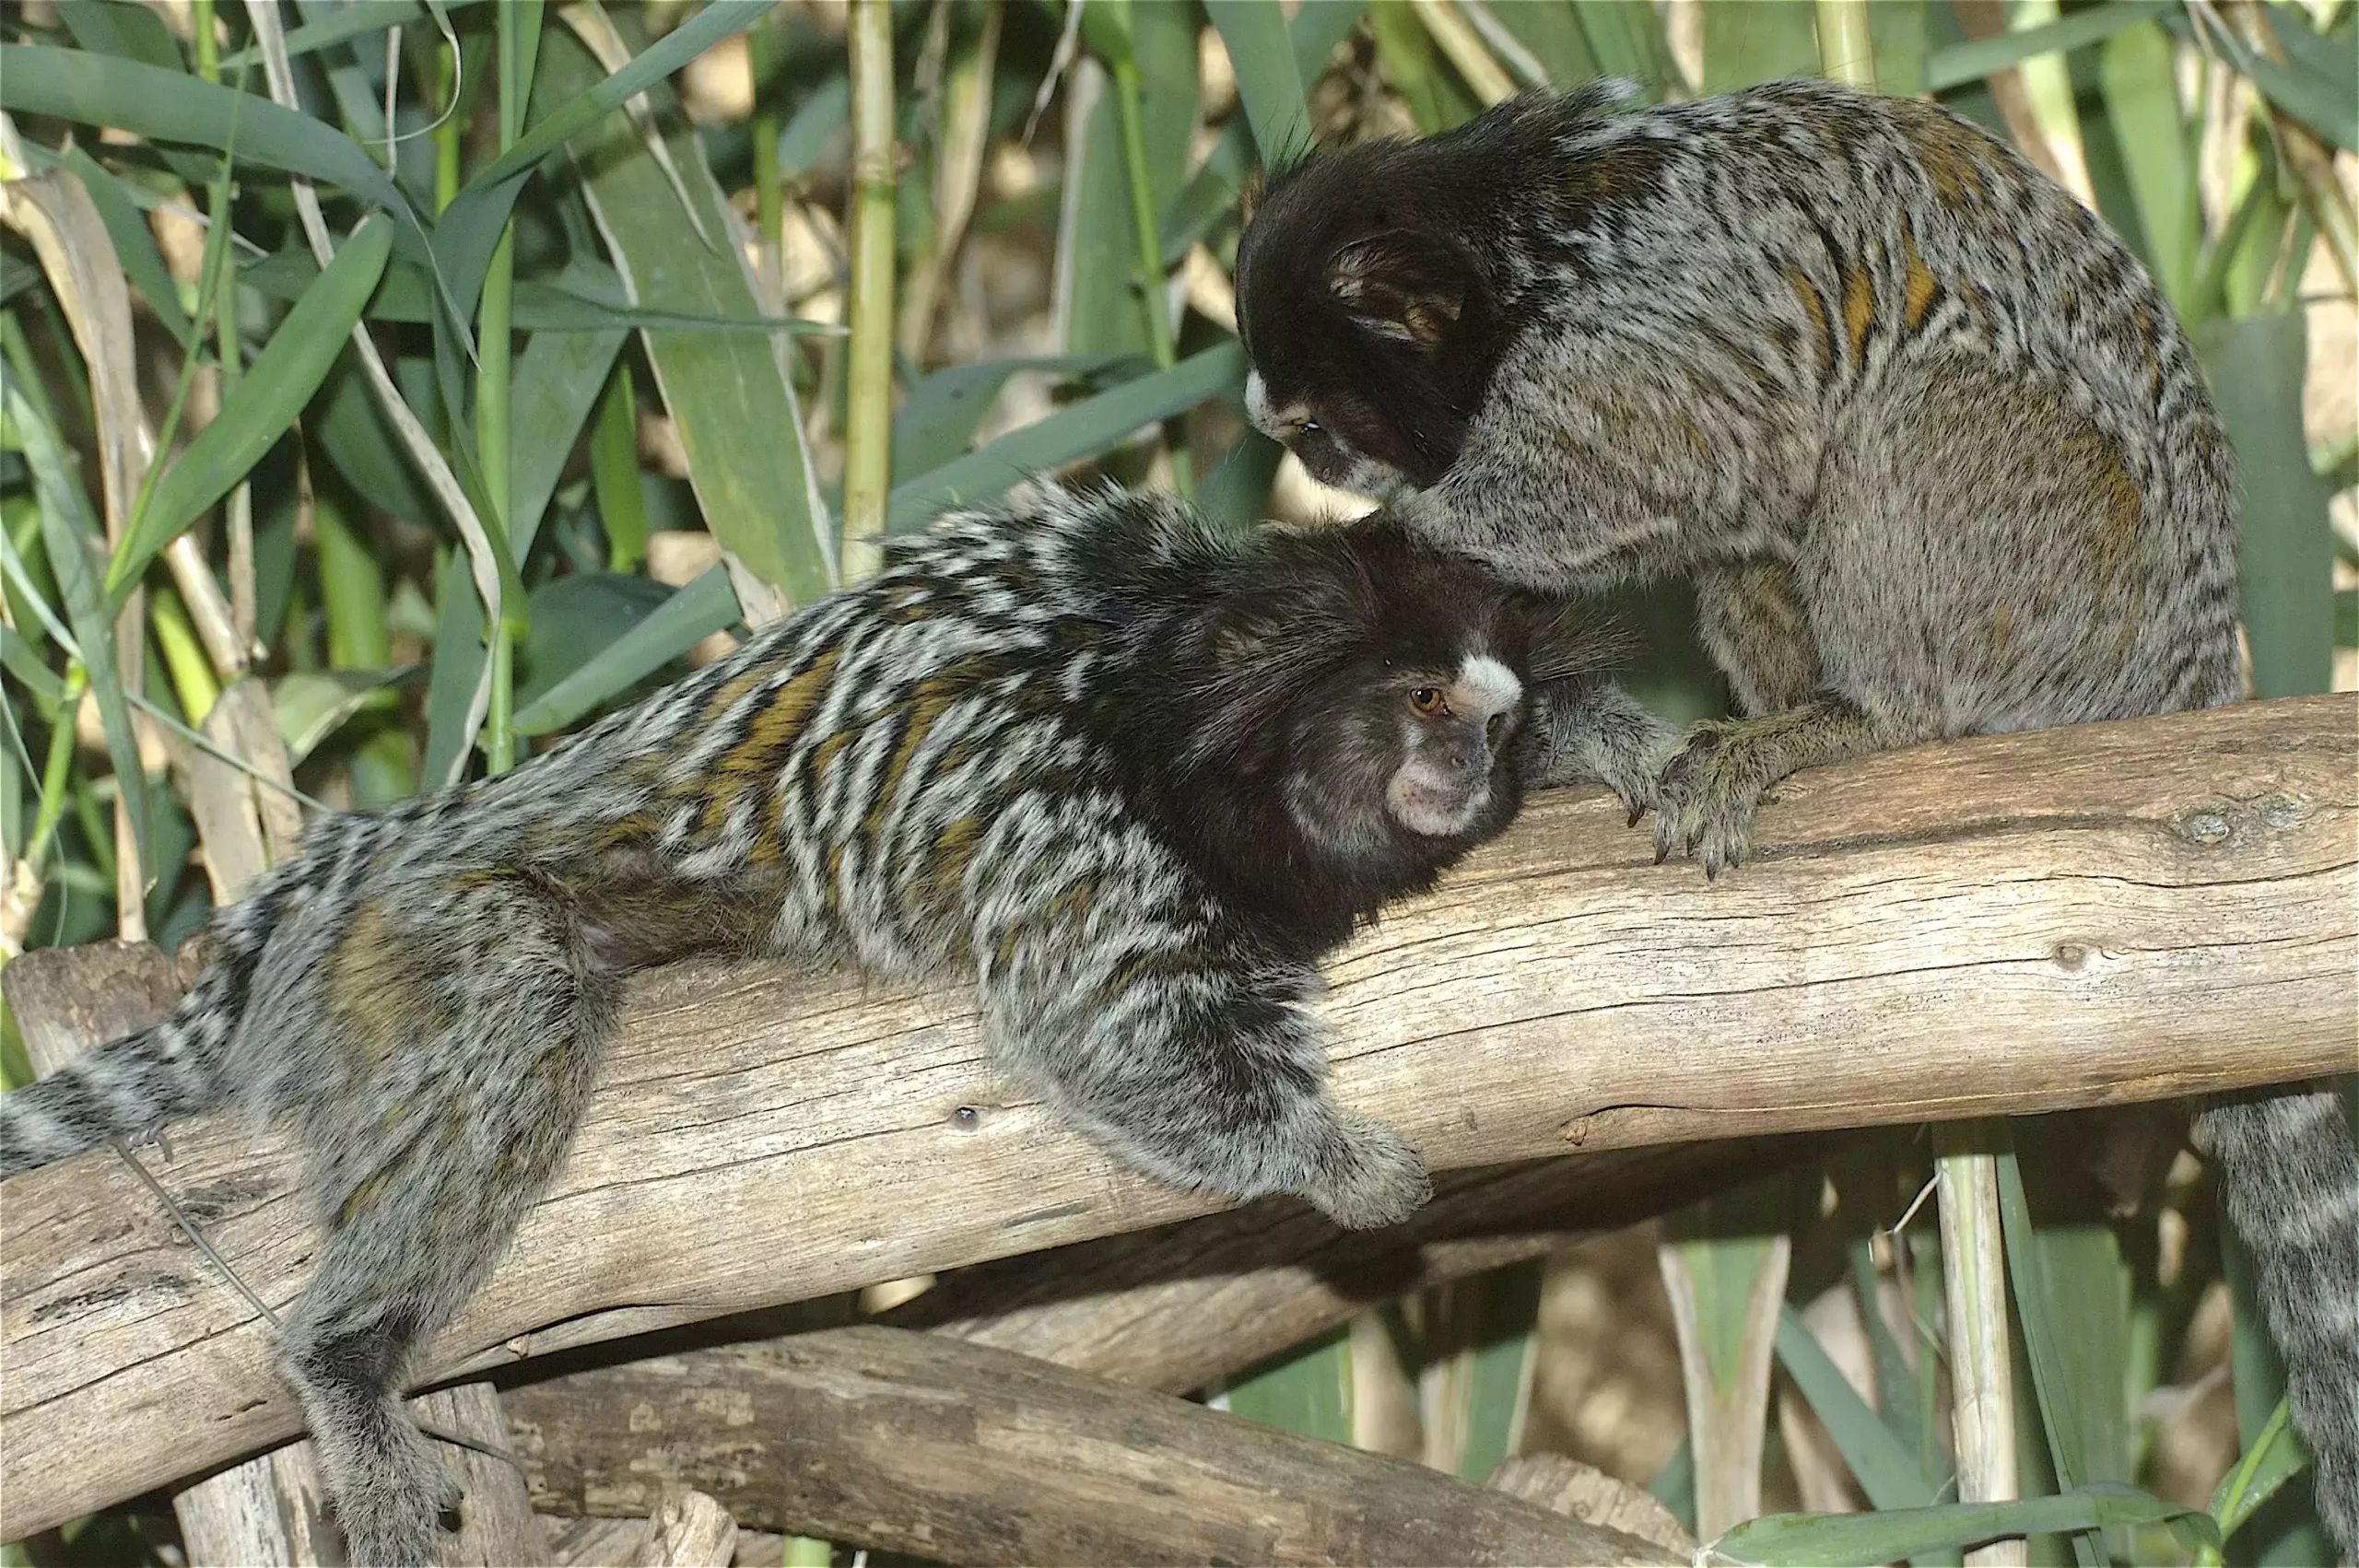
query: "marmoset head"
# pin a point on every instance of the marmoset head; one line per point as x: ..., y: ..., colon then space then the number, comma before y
x: 1353, y: 701
x: 1379, y: 286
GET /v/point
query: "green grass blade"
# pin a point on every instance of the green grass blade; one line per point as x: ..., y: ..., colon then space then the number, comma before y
x: 937, y: 424
x: 2256, y: 368
x: 2313, y: 86
x: 577, y: 301
x: 1806, y: 1540
x: 1091, y: 425
x: 1885, y: 1467
x: 2071, y: 1297
x: 2142, y: 103
x: 557, y: 380
x: 2276, y: 1457
x: 690, y: 615
x: 70, y: 535
x: 1099, y: 309
x: 729, y: 394
x: 171, y: 106
x: 470, y: 226
x: 1437, y: 99
x: 1263, y: 54
x: 311, y: 705
x: 273, y: 391
x: 1627, y: 39
x: 1958, y: 64
x: 1309, y: 1391
x: 459, y: 654
x: 614, y: 472
x: 1758, y: 40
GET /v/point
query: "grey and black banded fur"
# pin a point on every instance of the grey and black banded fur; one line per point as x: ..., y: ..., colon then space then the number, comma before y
x: 1921, y: 431
x: 1133, y: 774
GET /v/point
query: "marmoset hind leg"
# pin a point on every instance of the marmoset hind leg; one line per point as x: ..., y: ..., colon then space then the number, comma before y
x: 1752, y: 620
x: 471, y: 1022
x: 1200, y: 1066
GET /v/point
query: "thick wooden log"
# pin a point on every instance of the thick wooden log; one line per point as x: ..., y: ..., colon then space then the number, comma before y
x: 922, y: 1444
x: 2004, y: 925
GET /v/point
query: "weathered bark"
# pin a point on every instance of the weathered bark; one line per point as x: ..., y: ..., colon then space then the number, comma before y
x: 1999, y: 926
x: 959, y: 1452
x: 1180, y: 1306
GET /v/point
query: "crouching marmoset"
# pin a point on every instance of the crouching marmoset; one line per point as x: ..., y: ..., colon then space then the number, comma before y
x: 1920, y: 429
x: 1135, y: 774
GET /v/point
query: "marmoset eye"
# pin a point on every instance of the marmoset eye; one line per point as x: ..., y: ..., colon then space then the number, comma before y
x: 1430, y: 701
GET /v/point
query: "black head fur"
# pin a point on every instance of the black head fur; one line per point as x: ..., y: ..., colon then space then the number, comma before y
x: 1380, y: 286
x: 1268, y: 674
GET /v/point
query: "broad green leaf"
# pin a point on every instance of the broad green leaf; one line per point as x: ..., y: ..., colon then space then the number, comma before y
x: 311, y: 705
x: 1884, y: 1464
x: 1807, y: 1539
x: 350, y: 19
x: 1437, y: 99
x: 1308, y: 1392
x: 581, y: 97
x: 575, y: 618
x: 1958, y: 64
x: 2141, y: 101
x: 557, y: 380
x: 71, y: 536
x: 1627, y: 39
x: 1899, y: 35
x: 820, y: 114
x: 937, y: 422
x: 1758, y: 40
x: 614, y: 471
x: 2320, y: 94
x: 1088, y: 427
x: 171, y: 106
x: 1556, y: 37
x: 1097, y: 303
x: 729, y: 394
x: 577, y: 303
x: 458, y: 663
x: 2257, y: 366
x: 273, y: 391
x: 707, y: 606
x: 2275, y: 1458
x: 1262, y: 54
x: 23, y: 661
x: 2072, y: 1296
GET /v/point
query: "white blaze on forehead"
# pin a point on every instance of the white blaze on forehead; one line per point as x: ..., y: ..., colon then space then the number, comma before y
x: 1486, y: 683
x: 1276, y: 424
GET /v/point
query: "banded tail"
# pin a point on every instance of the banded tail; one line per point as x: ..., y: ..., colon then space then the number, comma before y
x: 2289, y: 1178
x: 169, y: 1069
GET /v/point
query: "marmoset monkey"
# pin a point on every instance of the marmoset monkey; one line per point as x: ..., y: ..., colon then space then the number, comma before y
x: 1134, y: 774
x: 1926, y: 438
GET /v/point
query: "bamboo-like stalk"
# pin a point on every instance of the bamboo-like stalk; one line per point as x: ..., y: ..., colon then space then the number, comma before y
x: 237, y: 509
x: 1845, y: 52
x: 1153, y: 282
x: 446, y: 131
x: 868, y: 410
x: 183, y: 656
x: 1974, y: 1271
x: 1457, y: 39
x: 494, y: 319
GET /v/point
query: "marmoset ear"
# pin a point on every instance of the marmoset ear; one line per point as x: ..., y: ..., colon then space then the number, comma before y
x: 1406, y: 285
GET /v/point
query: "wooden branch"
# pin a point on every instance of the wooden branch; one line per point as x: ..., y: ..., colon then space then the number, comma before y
x: 1999, y: 926
x: 920, y: 1444
x: 1180, y: 1307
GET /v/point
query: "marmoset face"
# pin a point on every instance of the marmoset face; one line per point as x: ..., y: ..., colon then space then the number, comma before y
x: 1421, y: 752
